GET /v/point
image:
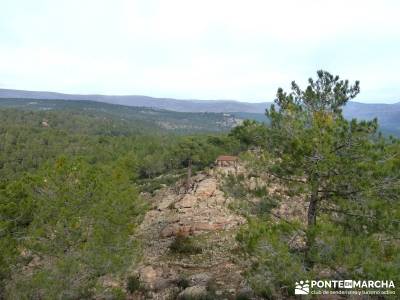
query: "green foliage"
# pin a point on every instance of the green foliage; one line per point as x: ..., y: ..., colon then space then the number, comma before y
x: 112, y: 119
x: 250, y: 133
x: 236, y: 188
x: 184, y: 245
x: 243, y: 296
x: 116, y: 294
x: 69, y: 194
x: 347, y: 173
x: 70, y: 204
x: 183, y: 283
x: 277, y: 266
x: 202, y: 151
x: 78, y: 209
x: 133, y: 284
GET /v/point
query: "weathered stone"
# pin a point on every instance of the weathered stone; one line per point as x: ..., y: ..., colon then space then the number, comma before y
x: 219, y: 200
x: 193, y: 292
x: 166, y: 203
x: 202, y: 205
x: 169, y: 230
x: 109, y: 282
x: 206, y: 226
x: 206, y: 188
x: 148, y: 276
x: 222, y: 220
x: 186, y: 211
x: 187, y: 201
x: 175, y: 229
x: 199, y: 177
x: 200, y: 279
x: 203, y: 210
x: 162, y: 284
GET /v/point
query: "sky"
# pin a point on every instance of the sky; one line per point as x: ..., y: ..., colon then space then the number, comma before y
x: 208, y: 49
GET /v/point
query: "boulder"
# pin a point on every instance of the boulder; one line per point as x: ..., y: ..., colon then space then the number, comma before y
x: 166, y: 203
x: 187, y: 201
x: 148, y: 276
x: 175, y: 229
x: 170, y: 230
x: 193, y: 292
x: 206, y: 188
x: 200, y: 279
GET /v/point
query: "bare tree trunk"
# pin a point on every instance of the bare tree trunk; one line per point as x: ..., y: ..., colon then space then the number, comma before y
x: 311, y: 222
x: 189, y: 175
x: 312, y: 210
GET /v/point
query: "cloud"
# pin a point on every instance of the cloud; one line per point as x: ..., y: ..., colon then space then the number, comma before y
x: 198, y: 49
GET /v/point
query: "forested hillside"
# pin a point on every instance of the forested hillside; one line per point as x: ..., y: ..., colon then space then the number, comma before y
x: 188, y: 105
x: 125, y: 118
x: 101, y: 201
x: 388, y: 114
x: 70, y: 179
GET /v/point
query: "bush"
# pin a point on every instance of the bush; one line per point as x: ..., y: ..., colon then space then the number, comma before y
x: 184, y: 245
x: 244, y: 296
x: 272, y: 257
x: 182, y: 283
x: 117, y: 294
x: 133, y: 284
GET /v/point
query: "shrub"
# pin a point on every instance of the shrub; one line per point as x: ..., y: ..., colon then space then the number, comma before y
x: 133, y: 284
x: 243, y: 296
x: 182, y: 283
x: 184, y: 245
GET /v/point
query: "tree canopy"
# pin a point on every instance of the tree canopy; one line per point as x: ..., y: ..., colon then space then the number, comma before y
x: 346, y: 172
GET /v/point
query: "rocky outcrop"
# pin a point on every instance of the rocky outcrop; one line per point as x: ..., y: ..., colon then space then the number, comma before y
x: 203, y: 209
x: 202, y: 214
x: 193, y: 292
x: 206, y: 188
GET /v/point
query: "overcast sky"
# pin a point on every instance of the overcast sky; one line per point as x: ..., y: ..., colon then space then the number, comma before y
x: 204, y: 49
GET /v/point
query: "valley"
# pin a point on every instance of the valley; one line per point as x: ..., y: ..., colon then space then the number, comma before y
x: 387, y: 114
x: 105, y: 201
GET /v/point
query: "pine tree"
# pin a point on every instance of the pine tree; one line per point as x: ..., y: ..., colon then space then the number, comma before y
x: 347, y: 171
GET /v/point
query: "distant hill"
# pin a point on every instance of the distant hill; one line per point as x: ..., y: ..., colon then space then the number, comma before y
x: 387, y: 114
x: 217, y: 106
x: 144, y: 118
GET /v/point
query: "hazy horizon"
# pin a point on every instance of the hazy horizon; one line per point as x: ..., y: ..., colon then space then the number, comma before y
x: 225, y: 50
x: 183, y: 99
